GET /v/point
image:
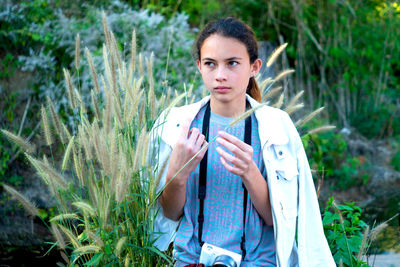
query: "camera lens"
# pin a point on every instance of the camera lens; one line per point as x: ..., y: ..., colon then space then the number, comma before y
x: 224, y: 261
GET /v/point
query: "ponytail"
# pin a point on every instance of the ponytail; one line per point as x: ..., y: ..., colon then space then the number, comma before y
x: 253, y: 90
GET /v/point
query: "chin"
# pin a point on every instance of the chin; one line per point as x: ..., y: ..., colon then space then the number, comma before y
x: 221, y: 98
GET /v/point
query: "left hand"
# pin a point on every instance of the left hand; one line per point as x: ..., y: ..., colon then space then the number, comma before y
x: 241, y: 162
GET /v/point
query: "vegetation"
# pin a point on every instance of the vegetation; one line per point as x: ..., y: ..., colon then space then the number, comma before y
x: 345, y: 55
x: 106, y: 192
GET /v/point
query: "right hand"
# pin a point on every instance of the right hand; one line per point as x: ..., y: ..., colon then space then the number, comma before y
x: 186, y: 147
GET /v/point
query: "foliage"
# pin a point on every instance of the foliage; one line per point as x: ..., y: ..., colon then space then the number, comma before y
x: 328, y: 154
x: 38, y: 37
x: 396, y: 157
x: 105, y: 193
x: 344, y: 232
x: 48, y: 43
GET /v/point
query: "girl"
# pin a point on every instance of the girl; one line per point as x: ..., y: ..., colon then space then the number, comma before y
x: 251, y: 191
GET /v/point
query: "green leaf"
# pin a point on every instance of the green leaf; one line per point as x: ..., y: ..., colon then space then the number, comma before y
x: 95, y: 260
x: 107, y: 249
x: 343, y: 256
x: 43, y: 214
x: 355, y: 243
x: 328, y: 218
x: 159, y: 253
x: 342, y: 243
x: 345, y: 207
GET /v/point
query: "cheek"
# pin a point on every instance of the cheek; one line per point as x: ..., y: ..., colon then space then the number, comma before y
x: 207, y: 75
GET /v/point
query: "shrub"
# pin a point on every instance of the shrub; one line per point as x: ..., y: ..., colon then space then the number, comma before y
x: 344, y: 232
x: 328, y: 154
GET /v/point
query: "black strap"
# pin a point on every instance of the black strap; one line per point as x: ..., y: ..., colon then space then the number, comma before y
x: 203, y: 175
x: 203, y: 178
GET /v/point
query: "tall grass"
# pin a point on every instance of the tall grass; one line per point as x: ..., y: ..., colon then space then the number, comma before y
x: 105, y: 191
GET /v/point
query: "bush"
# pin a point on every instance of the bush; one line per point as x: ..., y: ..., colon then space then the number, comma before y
x: 344, y: 232
x: 328, y: 154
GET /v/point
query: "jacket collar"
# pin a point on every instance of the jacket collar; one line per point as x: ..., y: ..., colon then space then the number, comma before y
x: 270, y: 127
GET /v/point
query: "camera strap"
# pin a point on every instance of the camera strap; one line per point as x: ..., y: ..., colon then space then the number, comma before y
x: 203, y: 178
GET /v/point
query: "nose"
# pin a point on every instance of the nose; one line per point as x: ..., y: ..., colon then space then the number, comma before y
x: 221, y: 74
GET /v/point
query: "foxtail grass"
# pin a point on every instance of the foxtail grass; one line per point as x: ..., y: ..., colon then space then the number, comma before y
x: 77, y: 50
x: 25, y: 202
x: 275, y: 54
x: 22, y: 143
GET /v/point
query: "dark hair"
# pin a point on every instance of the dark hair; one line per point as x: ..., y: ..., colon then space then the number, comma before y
x: 233, y: 28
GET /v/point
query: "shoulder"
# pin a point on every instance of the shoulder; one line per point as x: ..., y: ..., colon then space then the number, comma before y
x: 269, y: 113
x: 276, y: 127
x: 168, y: 124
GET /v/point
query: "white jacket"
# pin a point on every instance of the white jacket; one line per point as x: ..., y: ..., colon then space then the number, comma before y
x: 291, y: 187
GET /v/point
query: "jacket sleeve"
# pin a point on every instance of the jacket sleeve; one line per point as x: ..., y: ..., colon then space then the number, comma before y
x: 313, y: 249
x: 164, y: 229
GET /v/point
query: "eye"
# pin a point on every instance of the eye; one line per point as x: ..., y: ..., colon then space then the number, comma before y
x: 209, y: 63
x: 233, y: 63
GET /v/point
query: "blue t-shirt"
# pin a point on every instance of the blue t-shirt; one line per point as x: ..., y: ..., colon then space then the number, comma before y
x: 223, y: 205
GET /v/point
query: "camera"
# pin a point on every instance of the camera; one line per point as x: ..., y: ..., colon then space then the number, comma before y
x: 218, y: 257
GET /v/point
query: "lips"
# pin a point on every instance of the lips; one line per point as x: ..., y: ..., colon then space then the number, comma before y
x: 222, y: 89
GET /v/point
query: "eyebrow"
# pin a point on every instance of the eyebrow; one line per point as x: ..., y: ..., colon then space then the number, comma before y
x: 228, y: 59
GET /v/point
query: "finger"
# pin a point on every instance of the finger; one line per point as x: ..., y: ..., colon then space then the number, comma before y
x: 230, y: 168
x: 231, y: 159
x: 204, y: 148
x: 233, y: 139
x: 185, y: 128
x: 194, y: 135
x: 231, y: 147
x: 200, y: 141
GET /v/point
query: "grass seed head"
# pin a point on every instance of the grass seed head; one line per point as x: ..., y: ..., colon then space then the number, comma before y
x: 87, y: 249
x: 245, y: 115
x: 309, y: 117
x: 54, y: 175
x: 25, y: 202
x: 92, y: 70
x: 85, y: 207
x: 58, y: 236
x: 279, y: 103
x: 64, y: 216
x: 56, y: 119
x: 95, y: 105
x: 377, y: 230
x: 272, y: 92
x: 23, y: 144
x: 275, y: 54
x: 283, y: 74
x: 46, y: 126
x: 119, y: 245
x: 70, y: 88
x: 106, y: 30
x: 77, y: 50
x: 67, y: 154
x: 324, y: 128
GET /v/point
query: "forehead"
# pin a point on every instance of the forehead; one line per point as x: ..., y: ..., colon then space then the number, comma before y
x: 220, y: 47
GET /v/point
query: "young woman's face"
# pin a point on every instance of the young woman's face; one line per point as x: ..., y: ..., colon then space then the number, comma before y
x: 225, y: 68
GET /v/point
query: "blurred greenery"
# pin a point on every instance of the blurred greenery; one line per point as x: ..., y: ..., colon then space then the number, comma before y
x: 328, y: 155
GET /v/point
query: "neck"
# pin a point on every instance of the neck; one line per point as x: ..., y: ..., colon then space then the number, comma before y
x: 230, y: 110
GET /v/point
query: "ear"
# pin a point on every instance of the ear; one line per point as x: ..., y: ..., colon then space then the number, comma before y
x: 256, y: 66
x: 198, y: 64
